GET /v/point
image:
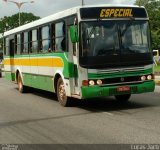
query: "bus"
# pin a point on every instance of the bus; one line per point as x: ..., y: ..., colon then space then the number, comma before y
x: 82, y: 53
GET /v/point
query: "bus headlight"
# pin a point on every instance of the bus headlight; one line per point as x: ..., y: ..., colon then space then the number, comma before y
x: 99, y: 82
x: 91, y: 82
x: 143, y: 78
x: 149, y: 77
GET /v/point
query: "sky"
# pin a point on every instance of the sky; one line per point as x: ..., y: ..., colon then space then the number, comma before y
x: 44, y: 8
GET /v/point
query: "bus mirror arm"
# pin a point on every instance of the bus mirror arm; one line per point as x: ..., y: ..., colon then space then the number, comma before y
x: 74, y: 34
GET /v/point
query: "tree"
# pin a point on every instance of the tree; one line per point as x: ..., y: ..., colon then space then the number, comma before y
x: 11, y: 22
x: 153, y: 9
x: 8, y: 23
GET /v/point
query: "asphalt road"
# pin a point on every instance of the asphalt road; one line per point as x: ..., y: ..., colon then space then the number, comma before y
x: 37, y: 118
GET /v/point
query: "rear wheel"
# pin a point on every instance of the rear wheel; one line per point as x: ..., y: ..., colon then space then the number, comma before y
x: 21, y: 87
x: 61, y: 93
x: 123, y: 98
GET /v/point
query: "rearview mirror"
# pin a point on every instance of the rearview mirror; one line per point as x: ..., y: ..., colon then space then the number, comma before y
x: 74, y: 34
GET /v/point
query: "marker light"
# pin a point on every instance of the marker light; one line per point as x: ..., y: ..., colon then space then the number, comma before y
x: 85, y: 82
x: 91, y: 82
x: 143, y: 78
x: 99, y: 82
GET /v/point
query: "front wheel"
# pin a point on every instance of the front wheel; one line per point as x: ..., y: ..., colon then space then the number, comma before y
x: 21, y: 87
x: 123, y: 98
x: 61, y: 93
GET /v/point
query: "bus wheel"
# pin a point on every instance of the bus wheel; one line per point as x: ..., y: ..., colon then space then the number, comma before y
x: 21, y: 87
x: 61, y: 93
x: 123, y: 98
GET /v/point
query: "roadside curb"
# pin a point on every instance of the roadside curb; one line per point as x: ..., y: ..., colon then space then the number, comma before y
x: 157, y: 79
x: 157, y: 82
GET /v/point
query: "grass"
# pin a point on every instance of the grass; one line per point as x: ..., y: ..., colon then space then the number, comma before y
x: 157, y: 68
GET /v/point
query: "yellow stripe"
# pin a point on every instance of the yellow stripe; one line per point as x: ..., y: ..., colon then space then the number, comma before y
x: 45, y: 62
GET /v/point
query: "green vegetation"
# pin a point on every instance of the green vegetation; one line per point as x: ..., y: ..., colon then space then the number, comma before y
x: 10, y: 22
x: 157, y: 68
x: 153, y: 9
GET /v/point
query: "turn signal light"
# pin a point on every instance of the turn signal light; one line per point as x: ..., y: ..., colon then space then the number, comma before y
x: 85, y: 82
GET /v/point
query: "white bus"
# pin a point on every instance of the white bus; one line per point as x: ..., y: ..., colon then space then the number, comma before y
x: 83, y: 52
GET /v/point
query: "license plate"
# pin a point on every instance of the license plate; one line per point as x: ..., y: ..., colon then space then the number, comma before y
x: 123, y: 89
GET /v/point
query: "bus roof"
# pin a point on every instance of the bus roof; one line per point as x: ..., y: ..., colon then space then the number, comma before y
x: 59, y: 15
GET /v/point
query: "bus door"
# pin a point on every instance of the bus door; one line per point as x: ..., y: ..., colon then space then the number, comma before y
x: 73, y: 47
x: 33, y: 58
x: 11, y: 58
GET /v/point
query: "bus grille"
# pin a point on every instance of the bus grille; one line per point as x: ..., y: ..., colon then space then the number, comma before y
x: 121, y: 80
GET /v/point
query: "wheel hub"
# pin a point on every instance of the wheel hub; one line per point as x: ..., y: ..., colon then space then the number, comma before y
x: 62, y: 93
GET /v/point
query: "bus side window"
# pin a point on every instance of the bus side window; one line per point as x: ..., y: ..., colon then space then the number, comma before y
x: 60, y: 39
x: 25, y: 43
x: 6, y: 46
x: 11, y: 47
x: 18, y: 44
x: 33, y: 41
x: 70, y: 44
x: 45, y: 45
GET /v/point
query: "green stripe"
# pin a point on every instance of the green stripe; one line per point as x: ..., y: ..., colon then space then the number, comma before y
x: 37, y: 74
x: 38, y: 55
x: 119, y: 74
x: 39, y: 82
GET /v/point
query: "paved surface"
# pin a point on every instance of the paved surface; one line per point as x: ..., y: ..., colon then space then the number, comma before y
x: 157, y: 79
x: 38, y: 118
x: 157, y: 89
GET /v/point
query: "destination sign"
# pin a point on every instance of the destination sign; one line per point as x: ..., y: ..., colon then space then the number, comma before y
x: 112, y: 12
x: 116, y: 13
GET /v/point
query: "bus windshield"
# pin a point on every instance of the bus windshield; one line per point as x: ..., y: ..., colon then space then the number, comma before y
x: 114, y: 39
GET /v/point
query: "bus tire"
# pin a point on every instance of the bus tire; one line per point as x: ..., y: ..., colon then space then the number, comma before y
x: 123, y: 98
x: 61, y: 93
x: 21, y: 87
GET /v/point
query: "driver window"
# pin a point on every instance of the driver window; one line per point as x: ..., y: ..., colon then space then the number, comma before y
x: 99, y: 39
x: 107, y: 40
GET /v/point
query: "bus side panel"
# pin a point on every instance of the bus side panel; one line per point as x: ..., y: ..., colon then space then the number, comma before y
x: 27, y: 79
x: 45, y: 72
x: 33, y: 60
x: 9, y: 68
x: 45, y: 83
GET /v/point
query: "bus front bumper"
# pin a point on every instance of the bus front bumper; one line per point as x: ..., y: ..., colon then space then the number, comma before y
x: 103, y: 91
